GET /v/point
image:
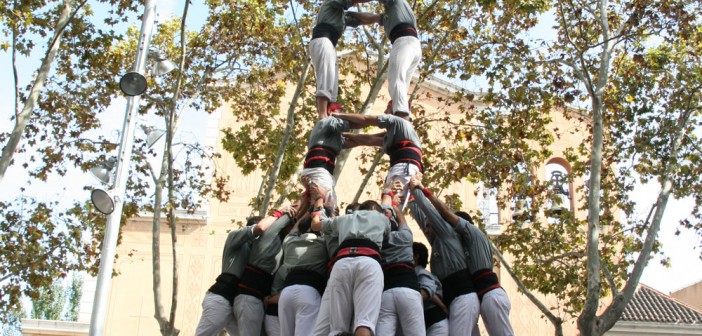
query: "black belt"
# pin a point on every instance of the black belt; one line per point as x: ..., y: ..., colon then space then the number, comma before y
x: 255, y: 282
x: 226, y: 285
x: 485, y: 280
x: 400, y: 275
x: 355, y: 248
x: 406, y: 151
x: 319, y: 156
x: 402, y: 29
x: 433, y: 315
x: 308, y: 278
x: 272, y: 309
x: 326, y: 30
x: 457, y: 284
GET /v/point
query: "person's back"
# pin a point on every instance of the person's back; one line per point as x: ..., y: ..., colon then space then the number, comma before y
x: 257, y: 279
x: 448, y: 263
x: 494, y: 302
x: 217, y: 305
x: 368, y: 225
x: 401, y: 304
x: 323, y: 146
x: 355, y: 285
x: 397, y: 13
x: 305, y: 257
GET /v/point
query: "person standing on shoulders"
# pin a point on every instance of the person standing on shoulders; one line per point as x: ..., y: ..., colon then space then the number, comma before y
x: 330, y: 25
x: 401, y: 29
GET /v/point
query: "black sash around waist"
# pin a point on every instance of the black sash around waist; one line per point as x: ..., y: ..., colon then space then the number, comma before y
x: 457, y: 284
x: 355, y: 248
x: 272, y: 309
x: 226, y: 285
x: 400, y: 275
x: 255, y: 282
x: 308, y: 278
x: 484, y: 280
x: 320, y: 156
x: 433, y: 315
x: 406, y: 151
x: 402, y: 29
x: 326, y: 30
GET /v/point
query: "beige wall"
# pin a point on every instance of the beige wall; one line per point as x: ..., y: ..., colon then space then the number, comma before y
x: 131, y: 308
x: 690, y: 295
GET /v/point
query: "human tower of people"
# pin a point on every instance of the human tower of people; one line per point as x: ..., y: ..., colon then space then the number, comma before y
x: 307, y: 270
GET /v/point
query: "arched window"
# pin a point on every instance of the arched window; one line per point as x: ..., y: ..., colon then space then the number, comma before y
x: 557, y: 171
x: 487, y: 204
x: 521, y: 203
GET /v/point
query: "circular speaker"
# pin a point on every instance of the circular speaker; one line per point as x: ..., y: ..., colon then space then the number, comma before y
x: 133, y: 84
x: 102, y: 201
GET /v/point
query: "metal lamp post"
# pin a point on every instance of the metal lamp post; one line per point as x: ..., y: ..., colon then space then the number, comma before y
x: 109, y: 244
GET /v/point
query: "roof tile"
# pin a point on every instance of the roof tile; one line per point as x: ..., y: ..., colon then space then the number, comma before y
x: 649, y: 305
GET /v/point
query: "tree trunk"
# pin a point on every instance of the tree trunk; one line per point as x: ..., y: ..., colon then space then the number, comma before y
x: 159, y: 313
x: 290, y: 124
x: 23, y: 118
x: 370, y: 100
x: 378, y: 156
x: 615, y: 310
x: 588, y: 320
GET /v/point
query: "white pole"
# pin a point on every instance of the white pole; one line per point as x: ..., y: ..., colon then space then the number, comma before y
x: 109, y: 244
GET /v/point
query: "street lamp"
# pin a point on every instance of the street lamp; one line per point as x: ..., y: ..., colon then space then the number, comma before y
x: 132, y: 84
x: 163, y: 64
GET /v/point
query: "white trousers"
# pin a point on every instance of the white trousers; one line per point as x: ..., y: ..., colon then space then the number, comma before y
x: 216, y: 315
x: 324, y: 180
x: 352, y: 297
x: 495, y: 309
x: 248, y: 311
x: 463, y: 315
x: 403, y: 172
x: 403, y: 61
x: 440, y: 328
x: 321, y: 323
x: 272, y: 325
x: 326, y: 69
x: 297, y: 308
x: 401, y: 309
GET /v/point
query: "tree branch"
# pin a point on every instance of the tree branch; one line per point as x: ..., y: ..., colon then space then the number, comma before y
x: 557, y: 321
x: 579, y: 70
x: 286, y: 138
x: 370, y: 99
x: 571, y: 254
x: 612, y: 313
x: 610, y: 279
x: 14, y: 66
x: 24, y: 116
x: 376, y: 160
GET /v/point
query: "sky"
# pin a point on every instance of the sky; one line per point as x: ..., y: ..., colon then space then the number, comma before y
x: 686, y: 267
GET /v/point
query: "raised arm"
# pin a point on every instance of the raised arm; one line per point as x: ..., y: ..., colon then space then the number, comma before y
x: 355, y: 19
x: 278, y: 224
x: 401, y: 221
x: 437, y: 223
x: 440, y: 206
x: 358, y: 120
x: 237, y: 238
x: 263, y: 225
x: 355, y: 140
